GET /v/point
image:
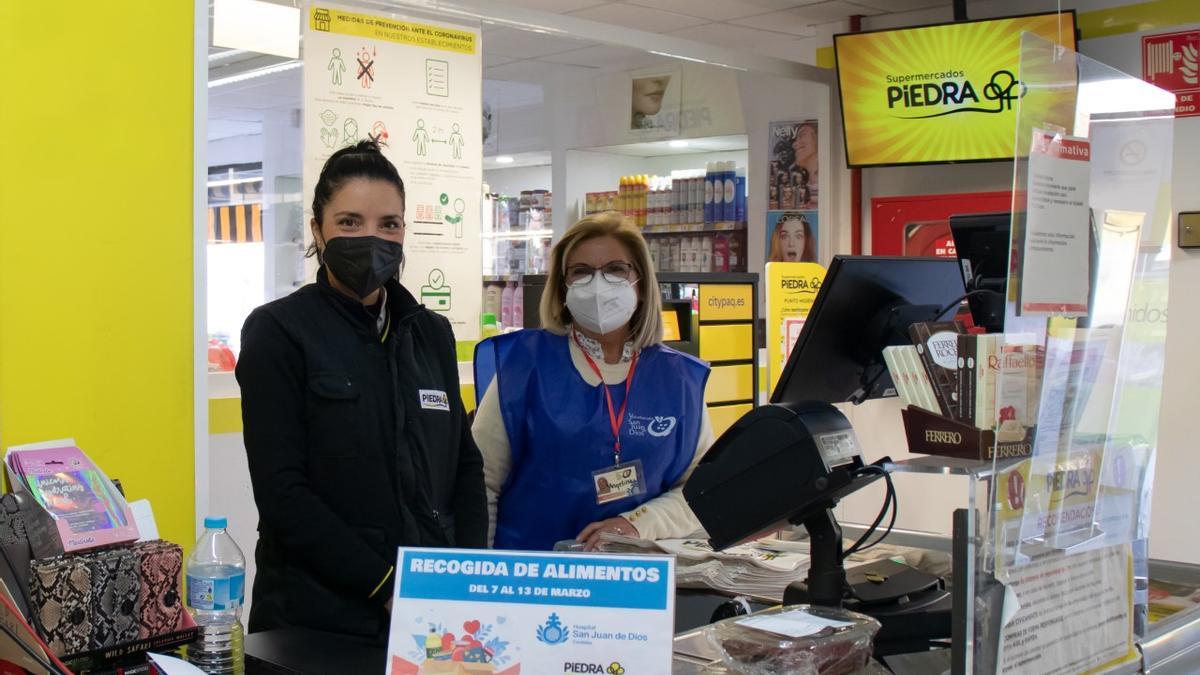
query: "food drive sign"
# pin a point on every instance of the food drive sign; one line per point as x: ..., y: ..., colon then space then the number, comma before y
x: 509, y: 612
x: 942, y: 93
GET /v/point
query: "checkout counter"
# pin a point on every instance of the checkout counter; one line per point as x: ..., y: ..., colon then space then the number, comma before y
x: 787, y: 465
x: 1171, y: 646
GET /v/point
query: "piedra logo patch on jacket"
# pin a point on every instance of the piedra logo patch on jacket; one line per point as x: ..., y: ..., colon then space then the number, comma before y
x: 432, y: 399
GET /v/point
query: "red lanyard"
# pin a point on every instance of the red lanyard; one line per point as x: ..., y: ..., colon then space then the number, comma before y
x: 614, y: 419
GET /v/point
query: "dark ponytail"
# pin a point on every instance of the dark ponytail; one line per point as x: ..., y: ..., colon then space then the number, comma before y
x: 362, y: 160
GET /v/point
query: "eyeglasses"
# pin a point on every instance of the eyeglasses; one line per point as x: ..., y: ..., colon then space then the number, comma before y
x: 617, y: 271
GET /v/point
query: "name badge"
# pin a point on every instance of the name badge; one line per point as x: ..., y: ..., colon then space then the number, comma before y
x: 432, y: 399
x: 619, y: 482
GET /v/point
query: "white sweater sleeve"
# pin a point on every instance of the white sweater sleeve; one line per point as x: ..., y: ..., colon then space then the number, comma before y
x: 668, y: 515
x: 492, y: 438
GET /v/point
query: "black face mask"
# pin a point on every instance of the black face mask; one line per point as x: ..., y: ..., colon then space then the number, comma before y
x: 363, y: 264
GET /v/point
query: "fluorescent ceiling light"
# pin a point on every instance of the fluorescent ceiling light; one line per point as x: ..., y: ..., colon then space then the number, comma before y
x: 695, y: 60
x: 505, y: 159
x: 678, y: 143
x: 259, y: 72
x: 256, y: 26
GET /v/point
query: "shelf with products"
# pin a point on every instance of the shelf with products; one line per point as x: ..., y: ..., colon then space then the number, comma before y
x: 703, y: 252
x: 693, y: 228
x: 694, y: 219
x: 715, y: 194
x: 515, y: 237
x: 516, y: 233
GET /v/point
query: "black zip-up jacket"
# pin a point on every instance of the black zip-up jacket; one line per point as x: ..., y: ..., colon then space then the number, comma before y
x: 358, y: 443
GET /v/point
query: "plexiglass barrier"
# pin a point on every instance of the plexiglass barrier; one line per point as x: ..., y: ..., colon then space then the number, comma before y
x: 1059, y: 566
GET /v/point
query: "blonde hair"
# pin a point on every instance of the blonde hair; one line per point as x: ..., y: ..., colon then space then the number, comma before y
x: 645, y: 326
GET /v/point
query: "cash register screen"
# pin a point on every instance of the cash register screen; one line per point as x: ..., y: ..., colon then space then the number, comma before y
x: 833, y: 349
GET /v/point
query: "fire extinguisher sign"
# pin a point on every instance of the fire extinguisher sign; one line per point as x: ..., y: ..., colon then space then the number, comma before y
x: 1170, y: 61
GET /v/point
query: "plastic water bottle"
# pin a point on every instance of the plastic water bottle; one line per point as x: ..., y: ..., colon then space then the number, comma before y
x: 216, y: 588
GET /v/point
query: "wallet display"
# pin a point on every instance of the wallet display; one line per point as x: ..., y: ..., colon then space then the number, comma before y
x: 105, y: 598
x: 160, y: 604
x: 115, y: 591
x: 61, y: 594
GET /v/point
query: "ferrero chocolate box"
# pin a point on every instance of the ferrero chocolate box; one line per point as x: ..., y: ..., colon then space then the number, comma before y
x: 932, y: 434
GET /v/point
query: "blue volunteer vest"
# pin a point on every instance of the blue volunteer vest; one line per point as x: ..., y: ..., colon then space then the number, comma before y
x: 559, y: 433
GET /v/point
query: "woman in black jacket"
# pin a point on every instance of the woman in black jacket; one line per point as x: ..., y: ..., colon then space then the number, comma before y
x: 355, y: 431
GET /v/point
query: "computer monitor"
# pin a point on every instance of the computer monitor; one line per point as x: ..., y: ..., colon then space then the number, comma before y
x: 866, y: 303
x: 981, y: 242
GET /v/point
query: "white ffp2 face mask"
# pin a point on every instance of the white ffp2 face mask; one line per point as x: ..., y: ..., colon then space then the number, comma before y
x: 602, y: 306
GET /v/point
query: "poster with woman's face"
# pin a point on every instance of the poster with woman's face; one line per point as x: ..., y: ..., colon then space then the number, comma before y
x: 791, y: 236
x: 654, y: 101
x: 794, y: 166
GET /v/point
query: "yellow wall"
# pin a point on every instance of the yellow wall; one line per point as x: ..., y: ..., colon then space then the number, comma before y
x: 96, y: 240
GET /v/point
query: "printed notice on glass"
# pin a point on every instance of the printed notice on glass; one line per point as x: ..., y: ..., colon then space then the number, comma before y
x: 511, y: 612
x: 1054, y: 263
x: 1073, y: 613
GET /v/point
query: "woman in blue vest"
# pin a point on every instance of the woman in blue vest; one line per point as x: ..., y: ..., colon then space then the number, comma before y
x: 591, y: 425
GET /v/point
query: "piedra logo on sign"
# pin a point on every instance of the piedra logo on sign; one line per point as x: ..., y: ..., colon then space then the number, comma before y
x: 952, y: 90
x: 799, y: 285
x: 614, y: 668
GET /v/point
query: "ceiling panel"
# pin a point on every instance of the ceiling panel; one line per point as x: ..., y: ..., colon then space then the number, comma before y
x: 523, y: 44
x: 776, y: 5
x: 834, y: 10
x: 800, y: 20
x: 492, y: 60
x: 802, y: 50
x: 728, y: 35
x: 780, y: 22
x: 641, y: 18
x: 896, y: 6
x: 712, y: 10
x: 605, y: 58
x: 553, y: 6
x: 535, y: 72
